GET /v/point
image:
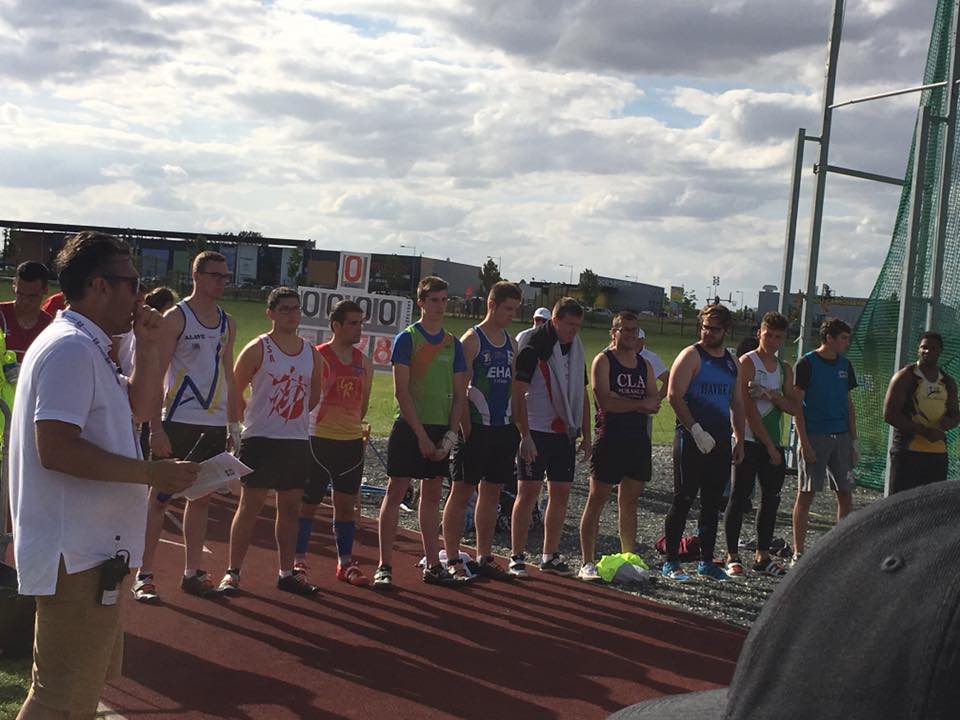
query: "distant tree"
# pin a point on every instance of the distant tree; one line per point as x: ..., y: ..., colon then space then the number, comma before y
x: 688, y: 306
x: 589, y: 287
x: 294, y: 265
x: 489, y: 275
x: 196, y: 245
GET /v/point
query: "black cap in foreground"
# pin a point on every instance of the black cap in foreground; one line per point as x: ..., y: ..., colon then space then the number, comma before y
x: 865, y: 627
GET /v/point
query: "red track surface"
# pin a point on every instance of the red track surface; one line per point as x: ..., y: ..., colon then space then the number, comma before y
x: 543, y: 648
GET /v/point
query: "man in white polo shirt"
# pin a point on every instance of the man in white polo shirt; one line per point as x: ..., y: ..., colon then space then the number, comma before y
x: 78, y: 485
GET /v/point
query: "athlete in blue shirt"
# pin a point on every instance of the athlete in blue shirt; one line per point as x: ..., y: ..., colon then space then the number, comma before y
x: 826, y: 426
x: 701, y: 392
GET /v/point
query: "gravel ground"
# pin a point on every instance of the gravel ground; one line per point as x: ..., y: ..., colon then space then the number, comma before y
x: 737, y: 602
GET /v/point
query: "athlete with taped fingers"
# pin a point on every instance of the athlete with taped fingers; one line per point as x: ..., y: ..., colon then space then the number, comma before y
x: 283, y: 372
x: 430, y: 384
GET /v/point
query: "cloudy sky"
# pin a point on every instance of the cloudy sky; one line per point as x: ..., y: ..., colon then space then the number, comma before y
x: 639, y: 138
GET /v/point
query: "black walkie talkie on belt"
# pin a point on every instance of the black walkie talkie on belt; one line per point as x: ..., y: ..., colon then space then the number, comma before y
x: 112, y: 573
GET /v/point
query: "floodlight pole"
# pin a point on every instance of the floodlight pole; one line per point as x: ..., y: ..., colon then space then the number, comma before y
x: 946, y: 173
x: 820, y: 182
x: 786, y: 280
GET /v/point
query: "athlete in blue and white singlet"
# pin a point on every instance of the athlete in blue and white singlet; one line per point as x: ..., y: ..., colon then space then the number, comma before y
x: 194, y: 390
x: 483, y: 458
x: 702, y: 394
x: 196, y: 352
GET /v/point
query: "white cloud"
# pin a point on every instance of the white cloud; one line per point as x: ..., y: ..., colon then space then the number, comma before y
x: 645, y: 139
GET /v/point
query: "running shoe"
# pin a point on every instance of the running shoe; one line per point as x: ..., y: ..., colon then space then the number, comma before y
x: 518, y: 566
x: 352, y: 574
x: 439, y: 575
x: 489, y: 568
x: 144, y: 590
x: 297, y: 584
x: 459, y: 570
x: 672, y: 570
x: 734, y: 570
x: 556, y: 565
x: 711, y: 571
x: 383, y: 578
x: 200, y: 585
x: 300, y: 566
x: 409, y: 502
x: 589, y: 573
x: 772, y: 568
x: 230, y: 585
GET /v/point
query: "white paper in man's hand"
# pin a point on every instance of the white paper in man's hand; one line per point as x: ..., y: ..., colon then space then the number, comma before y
x: 214, y: 474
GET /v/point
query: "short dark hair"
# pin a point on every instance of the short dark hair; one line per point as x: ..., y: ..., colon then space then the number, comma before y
x: 932, y: 335
x: 567, y: 306
x: 207, y: 256
x: 832, y: 327
x: 280, y: 293
x: 31, y: 271
x: 720, y: 313
x: 623, y: 315
x: 160, y: 297
x: 430, y: 284
x: 504, y: 290
x: 775, y: 321
x: 342, y: 309
x: 83, y: 257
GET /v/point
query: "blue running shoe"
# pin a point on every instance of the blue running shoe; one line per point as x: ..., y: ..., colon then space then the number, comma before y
x: 673, y: 571
x: 712, y: 571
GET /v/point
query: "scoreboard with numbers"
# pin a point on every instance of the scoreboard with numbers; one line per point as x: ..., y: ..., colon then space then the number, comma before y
x: 383, y: 315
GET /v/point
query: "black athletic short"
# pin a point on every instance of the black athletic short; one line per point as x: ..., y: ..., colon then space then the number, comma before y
x: 616, y: 458
x: 910, y: 469
x: 488, y: 454
x: 334, y: 461
x: 278, y: 464
x: 403, y: 453
x: 556, y: 458
x: 185, y: 439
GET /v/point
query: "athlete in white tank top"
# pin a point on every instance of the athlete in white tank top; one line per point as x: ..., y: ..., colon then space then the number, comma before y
x: 283, y: 372
x: 196, y: 354
x: 772, y: 381
x: 194, y: 387
x: 280, y: 394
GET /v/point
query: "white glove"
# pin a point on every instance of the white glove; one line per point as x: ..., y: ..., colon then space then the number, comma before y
x: 234, y: 429
x: 756, y: 391
x: 704, y: 440
x: 446, y: 444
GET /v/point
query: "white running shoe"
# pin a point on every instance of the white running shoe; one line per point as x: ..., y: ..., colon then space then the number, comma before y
x: 589, y: 573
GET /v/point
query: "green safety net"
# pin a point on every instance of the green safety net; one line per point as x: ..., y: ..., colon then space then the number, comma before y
x: 873, y: 347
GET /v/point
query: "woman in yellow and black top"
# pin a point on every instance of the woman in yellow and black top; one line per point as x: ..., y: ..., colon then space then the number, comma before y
x: 921, y: 405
